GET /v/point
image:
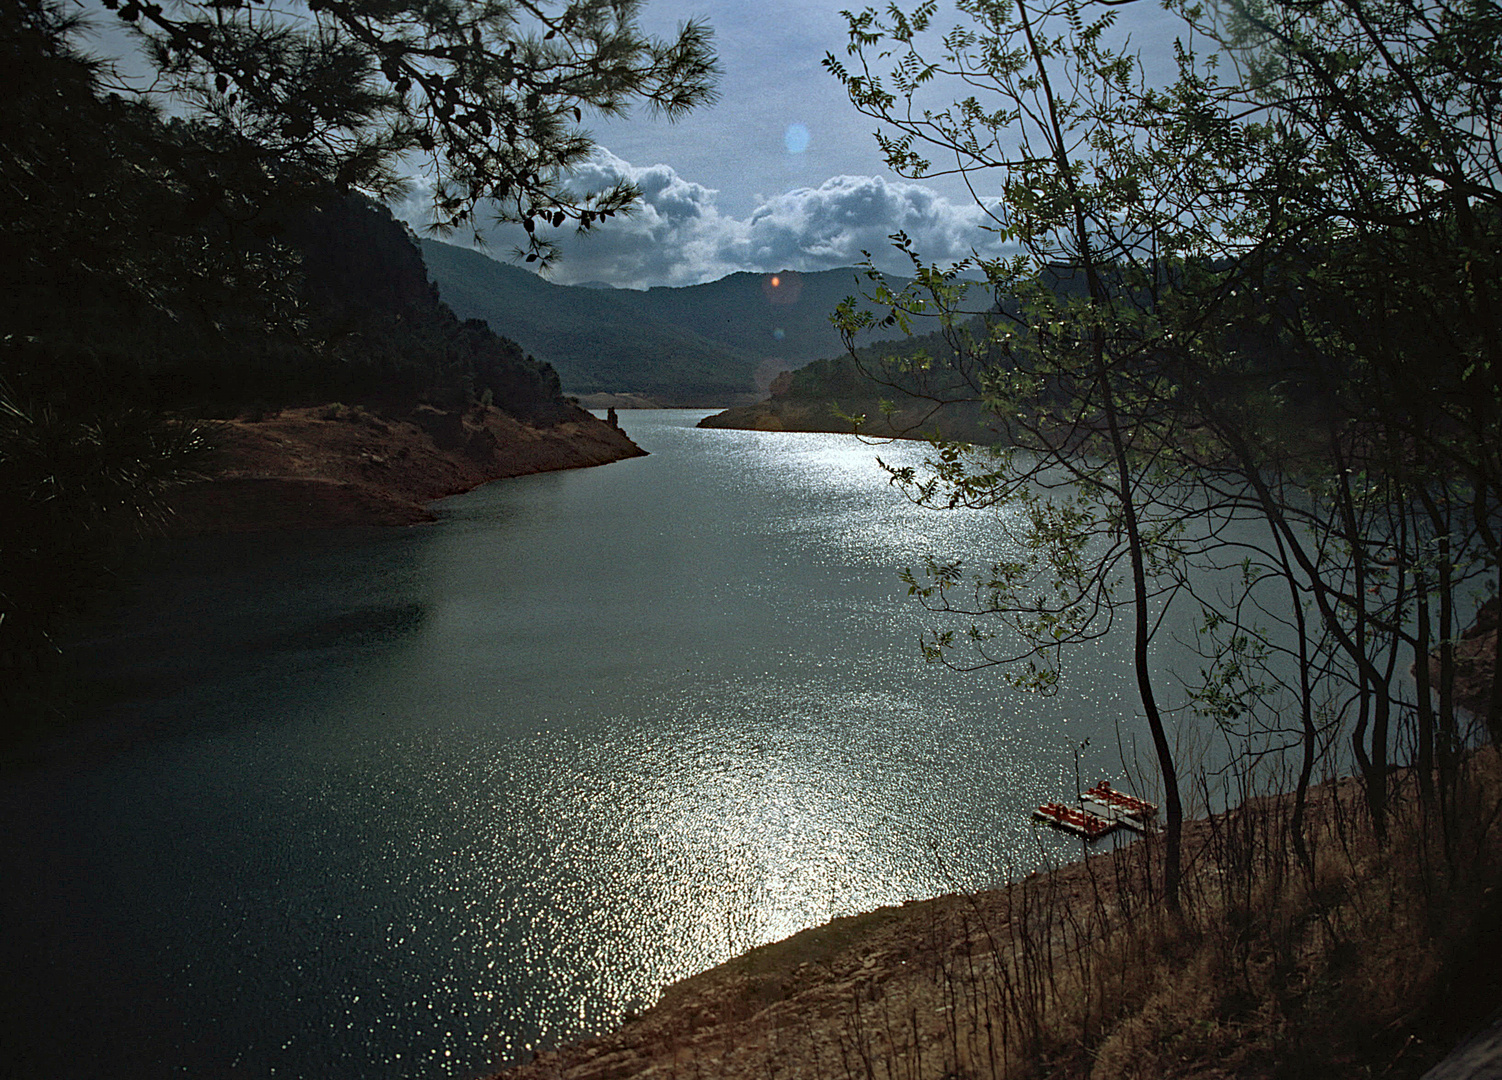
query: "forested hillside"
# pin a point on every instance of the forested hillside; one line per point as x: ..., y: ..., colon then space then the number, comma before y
x: 149, y: 267
x: 874, y: 391
x: 597, y: 339
x: 717, y: 343
x: 934, y: 383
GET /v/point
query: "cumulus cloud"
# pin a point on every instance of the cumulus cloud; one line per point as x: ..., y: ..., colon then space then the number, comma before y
x: 816, y: 228
x: 678, y: 235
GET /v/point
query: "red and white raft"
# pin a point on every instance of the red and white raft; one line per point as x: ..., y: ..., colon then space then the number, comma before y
x: 1071, y: 819
x: 1126, y: 809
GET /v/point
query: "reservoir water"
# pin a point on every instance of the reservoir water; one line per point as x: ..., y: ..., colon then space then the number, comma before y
x: 414, y: 802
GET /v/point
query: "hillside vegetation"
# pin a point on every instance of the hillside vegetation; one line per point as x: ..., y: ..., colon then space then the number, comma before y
x: 873, y: 392
x: 714, y: 344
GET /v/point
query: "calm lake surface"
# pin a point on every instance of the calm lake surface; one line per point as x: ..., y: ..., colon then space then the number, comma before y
x: 412, y: 802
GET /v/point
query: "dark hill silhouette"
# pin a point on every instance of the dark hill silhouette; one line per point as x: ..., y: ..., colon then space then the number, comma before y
x: 384, y: 330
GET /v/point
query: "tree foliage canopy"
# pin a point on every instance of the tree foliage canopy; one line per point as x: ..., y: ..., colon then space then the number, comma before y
x: 490, y: 95
x: 1263, y: 291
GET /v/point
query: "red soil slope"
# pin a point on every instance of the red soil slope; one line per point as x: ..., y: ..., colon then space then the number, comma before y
x: 345, y: 465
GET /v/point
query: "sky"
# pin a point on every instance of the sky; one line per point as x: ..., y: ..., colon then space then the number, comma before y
x: 782, y: 173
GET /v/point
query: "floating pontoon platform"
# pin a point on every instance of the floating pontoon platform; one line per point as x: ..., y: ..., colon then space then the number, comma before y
x: 1071, y: 819
x: 1128, y: 809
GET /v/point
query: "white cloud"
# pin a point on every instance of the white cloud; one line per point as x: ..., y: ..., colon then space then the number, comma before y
x: 678, y: 236
x: 815, y: 228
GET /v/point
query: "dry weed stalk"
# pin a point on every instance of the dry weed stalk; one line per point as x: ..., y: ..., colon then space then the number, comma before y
x: 1325, y: 958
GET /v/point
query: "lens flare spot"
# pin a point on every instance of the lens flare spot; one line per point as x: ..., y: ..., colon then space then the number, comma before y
x: 782, y: 287
x: 795, y: 138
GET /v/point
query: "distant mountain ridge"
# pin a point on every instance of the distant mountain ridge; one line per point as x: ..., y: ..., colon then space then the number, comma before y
x: 720, y: 343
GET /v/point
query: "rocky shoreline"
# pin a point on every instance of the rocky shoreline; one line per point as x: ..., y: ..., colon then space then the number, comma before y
x: 343, y: 465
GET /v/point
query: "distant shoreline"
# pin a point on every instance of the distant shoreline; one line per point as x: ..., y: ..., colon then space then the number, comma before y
x: 647, y: 401
x: 965, y: 422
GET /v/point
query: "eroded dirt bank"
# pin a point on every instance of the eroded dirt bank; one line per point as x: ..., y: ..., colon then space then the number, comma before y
x: 335, y: 465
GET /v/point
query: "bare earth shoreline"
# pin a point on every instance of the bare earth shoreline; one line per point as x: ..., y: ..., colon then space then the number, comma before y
x: 341, y: 465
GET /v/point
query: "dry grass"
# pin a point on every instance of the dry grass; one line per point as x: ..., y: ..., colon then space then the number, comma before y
x: 1347, y: 965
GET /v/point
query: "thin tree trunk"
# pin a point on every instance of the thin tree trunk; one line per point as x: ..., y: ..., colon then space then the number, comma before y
x: 1173, y: 806
x: 1309, y: 735
x: 1426, y: 692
